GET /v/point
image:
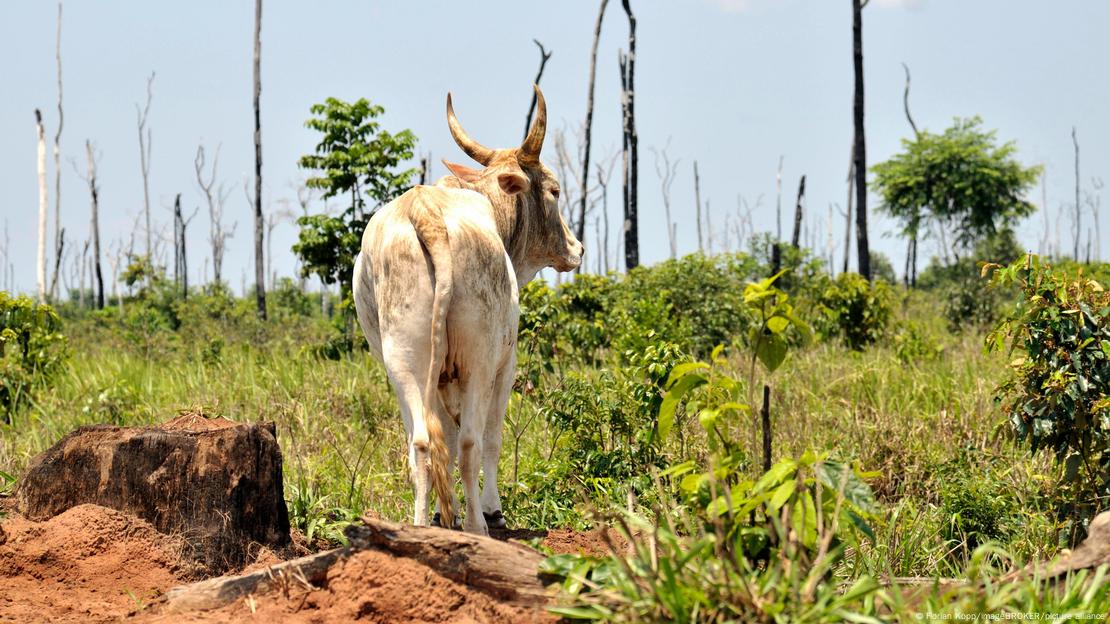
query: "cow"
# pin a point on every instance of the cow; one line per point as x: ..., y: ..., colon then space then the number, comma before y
x: 436, y: 293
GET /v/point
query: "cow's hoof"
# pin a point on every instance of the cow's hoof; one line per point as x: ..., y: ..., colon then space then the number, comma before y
x: 438, y: 521
x: 495, y: 519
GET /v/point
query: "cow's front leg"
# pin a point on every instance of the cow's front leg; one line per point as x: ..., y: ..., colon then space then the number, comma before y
x: 491, y: 445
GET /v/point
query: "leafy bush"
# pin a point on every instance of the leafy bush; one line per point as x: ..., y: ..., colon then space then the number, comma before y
x: 913, y: 344
x: 855, y: 310
x: 977, y: 510
x: 969, y: 305
x: 1056, y: 396
x: 32, y: 350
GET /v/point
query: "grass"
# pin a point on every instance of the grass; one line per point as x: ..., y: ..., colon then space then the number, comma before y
x: 928, y: 426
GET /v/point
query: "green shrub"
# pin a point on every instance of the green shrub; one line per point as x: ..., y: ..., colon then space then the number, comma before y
x: 1056, y: 396
x: 969, y: 305
x: 32, y: 350
x: 977, y: 509
x: 913, y: 344
x: 855, y: 310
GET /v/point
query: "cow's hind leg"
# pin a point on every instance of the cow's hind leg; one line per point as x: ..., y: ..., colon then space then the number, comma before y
x: 475, y: 405
x: 407, y: 386
x: 491, y: 443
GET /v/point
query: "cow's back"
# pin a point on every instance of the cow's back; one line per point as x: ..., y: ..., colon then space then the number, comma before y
x: 394, y: 277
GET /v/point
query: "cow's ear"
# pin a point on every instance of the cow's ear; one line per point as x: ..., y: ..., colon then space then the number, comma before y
x: 462, y: 172
x: 513, y: 182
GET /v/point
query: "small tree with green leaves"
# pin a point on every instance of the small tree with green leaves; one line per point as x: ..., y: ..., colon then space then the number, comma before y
x: 355, y: 156
x: 1056, y: 396
x: 959, y: 185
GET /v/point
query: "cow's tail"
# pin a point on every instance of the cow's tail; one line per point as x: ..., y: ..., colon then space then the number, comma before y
x: 432, y: 232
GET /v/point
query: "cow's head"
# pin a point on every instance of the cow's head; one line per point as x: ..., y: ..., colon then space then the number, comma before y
x: 524, y: 194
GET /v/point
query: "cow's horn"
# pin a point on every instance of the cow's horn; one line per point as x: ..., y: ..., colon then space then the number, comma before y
x: 530, y: 149
x: 474, y: 149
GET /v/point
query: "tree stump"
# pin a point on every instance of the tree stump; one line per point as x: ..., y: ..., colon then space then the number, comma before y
x: 214, y: 483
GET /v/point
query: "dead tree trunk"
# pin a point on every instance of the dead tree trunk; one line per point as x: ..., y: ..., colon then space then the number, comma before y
x: 795, y: 239
x: 58, y: 158
x: 667, y: 173
x: 41, y: 266
x: 697, y: 207
x: 214, y: 482
x: 1075, y: 142
x: 911, y: 248
x: 848, y: 211
x: 863, y: 252
x: 544, y: 55
x: 589, y: 122
x: 631, y: 145
x: 144, y: 158
x: 94, y: 224
x: 259, y: 222
x: 179, y: 275
x: 215, y: 197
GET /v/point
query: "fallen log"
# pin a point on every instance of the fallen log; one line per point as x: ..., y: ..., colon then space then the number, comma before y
x: 215, y: 483
x: 305, y: 572
x: 504, y: 570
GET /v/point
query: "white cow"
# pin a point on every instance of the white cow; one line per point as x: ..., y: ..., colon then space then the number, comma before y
x: 435, y: 288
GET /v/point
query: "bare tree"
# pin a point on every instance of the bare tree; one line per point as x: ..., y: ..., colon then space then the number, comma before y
x: 910, y: 277
x: 848, y: 211
x: 1075, y: 142
x: 259, y: 222
x: 57, y: 157
x: 144, y: 158
x: 667, y: 171
x: 798, y: 212
x: 180, y: 248
x: 697, y: 207
x: 589, y: 120
x: 864, y: 253
x: 603, y: 176
x: 544, y: 55
x: 94, y: 222
x: 215, y: 198
x: 631, y: 144
x: 41, y: 266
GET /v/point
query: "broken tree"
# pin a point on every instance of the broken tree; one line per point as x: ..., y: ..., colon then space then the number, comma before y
x: 215, y: 483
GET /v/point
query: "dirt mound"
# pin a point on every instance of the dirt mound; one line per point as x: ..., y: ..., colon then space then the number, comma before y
x: 89, y: 564
x: 371, y: 586
x: 192, y: 421
x: 590, y: 542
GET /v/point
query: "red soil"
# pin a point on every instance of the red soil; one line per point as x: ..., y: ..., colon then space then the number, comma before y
x: 93, y: 564
x: 89, y: 564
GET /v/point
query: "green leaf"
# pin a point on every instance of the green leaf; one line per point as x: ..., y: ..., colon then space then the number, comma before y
x: 778, y: 324
x: 782, y: 494
x: 771, y: 351
x: 673, y: 397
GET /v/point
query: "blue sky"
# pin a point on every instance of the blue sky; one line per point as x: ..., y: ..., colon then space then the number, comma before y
x: 731, y: 83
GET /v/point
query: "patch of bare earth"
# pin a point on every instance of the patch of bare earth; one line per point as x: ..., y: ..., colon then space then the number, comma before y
x: 370, y: 586
x: 93, y: 564
x: 89, y: 564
